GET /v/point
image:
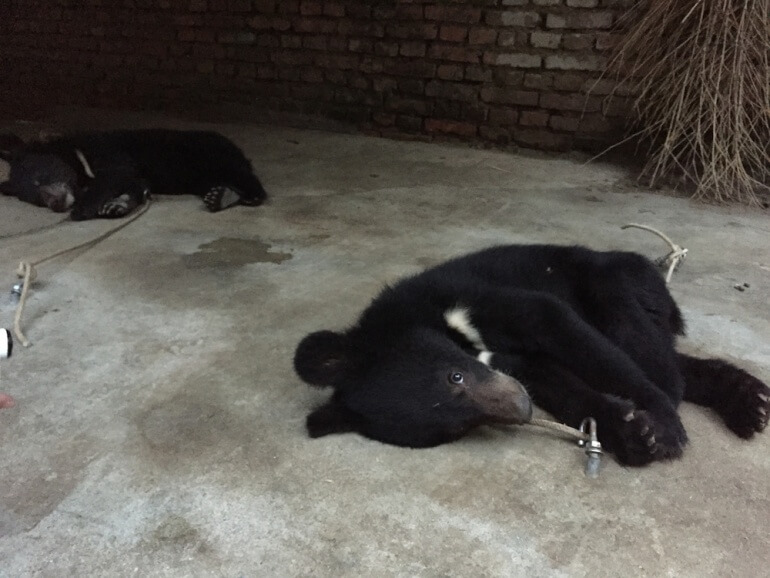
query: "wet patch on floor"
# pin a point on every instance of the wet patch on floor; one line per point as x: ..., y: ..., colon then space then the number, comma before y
x: 234, y: 252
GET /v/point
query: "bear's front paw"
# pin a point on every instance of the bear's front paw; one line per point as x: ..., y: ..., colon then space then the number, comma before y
x: 747, y: 410
x: 220, y: 197
x: 632, y: 439
x: 638, y: 437
x: 115, y: 208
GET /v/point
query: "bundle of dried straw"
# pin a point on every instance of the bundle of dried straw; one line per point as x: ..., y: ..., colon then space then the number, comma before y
x: 702, y: 73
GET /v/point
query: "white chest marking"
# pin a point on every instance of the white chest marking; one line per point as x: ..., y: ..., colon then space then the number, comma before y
x: 84, y: 162
x: 485, y: 357
x: 459, y: 319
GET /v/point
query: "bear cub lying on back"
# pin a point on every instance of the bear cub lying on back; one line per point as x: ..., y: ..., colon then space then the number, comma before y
x: 108, y: 174
x: 477, y: 339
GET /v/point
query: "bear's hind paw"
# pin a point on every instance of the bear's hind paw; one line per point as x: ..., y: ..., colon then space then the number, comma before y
x: 747, y: 412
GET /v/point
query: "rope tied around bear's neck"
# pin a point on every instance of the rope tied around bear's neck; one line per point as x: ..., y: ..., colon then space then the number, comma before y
x: 26, y: 270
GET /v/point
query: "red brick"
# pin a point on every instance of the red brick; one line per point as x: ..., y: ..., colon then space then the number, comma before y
x: 409, y: 12
x: 450, y: 72
x: 508, y: 77
x: 578, y: 41
x: 504, y: 116
x: 356, y: 10
x: 412, y: 49
x: 315, y: 42
x: 337, y: 43
x: 479, y: 35
x: 507, y: 96
x: 411, y: 86
x: 291, y: 41
x: 454, y: 53
x: 334, y: 9
x: 318, y: 26
x: 413, y: 30
x: 607, y: 41
x: 509, y: 38
x: 205, y: 66
x: 569, y: 82
x: 452, y: 91
x: 580, y: 19
x: 386, y: 48
x: 224, y: 68
x: 263, y: 6
x: 359, y: 28
x: 478, y: 73
x: 564, y: 123
x: 601, y: 86
x: 186, y: 35
x: 384, y: 84
x: 361, y: 45
x: 618, y: 106
x: 384, y: 119
x: 247, y: 70
x: 576, y: 102
x: 451, y: 127
x: 409, y: 123
x: 576, y: 62
x: 465, y: 14
x: 497, y: 135
x: 533, y: 118
x: 413, y: 106
x: 288, y: 6
x: 541, y: 138
x: 538, y: 81
x: 448, y: 109
x: 545, y: 39
x: 383, y: 12
x: 310, y: 8
x: 514, y: 60
x: 595, y: 123
x: 371, y: 65
x: 453, y: 33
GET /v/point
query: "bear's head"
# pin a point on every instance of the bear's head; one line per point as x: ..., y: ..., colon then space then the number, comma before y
x: 42, y: 179
x: 417, y: 390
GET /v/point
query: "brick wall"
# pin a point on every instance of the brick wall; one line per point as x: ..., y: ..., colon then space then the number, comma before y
x: 501, y: 71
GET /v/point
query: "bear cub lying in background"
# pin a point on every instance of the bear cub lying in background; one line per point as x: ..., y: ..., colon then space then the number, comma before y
x: 477, y: 339
x: 108, y: 174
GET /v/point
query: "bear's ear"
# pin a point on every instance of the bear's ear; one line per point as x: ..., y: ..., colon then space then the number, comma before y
x: 331, y: 418
x: 324, y: 358
x: 10, y: 147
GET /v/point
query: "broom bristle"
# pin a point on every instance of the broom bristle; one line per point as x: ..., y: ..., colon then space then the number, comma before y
x: 702, y: 73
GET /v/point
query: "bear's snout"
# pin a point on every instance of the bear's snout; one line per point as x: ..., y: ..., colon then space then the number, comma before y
x: 57, y: 196
x: 502, y: 399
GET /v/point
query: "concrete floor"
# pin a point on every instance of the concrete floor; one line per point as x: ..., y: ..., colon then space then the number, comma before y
x: 159, y: 428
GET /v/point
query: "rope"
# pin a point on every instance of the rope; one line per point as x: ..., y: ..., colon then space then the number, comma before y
x: 559, y: 427
x: 673, y: 259
x: 27, y: 272
x: 35, y: 230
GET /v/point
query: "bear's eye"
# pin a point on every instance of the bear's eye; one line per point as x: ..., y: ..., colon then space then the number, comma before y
x: 456, y: 377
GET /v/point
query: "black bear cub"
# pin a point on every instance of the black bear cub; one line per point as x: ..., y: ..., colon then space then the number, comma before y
x: 108, y: 174
x: 469, y: 342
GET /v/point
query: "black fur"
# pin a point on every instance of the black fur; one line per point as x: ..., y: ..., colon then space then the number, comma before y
x: 124, y: 167
x: 587, y: 333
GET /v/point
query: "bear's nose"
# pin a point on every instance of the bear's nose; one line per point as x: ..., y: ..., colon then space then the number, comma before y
x: 56, y: 197
x: 502, y: 399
